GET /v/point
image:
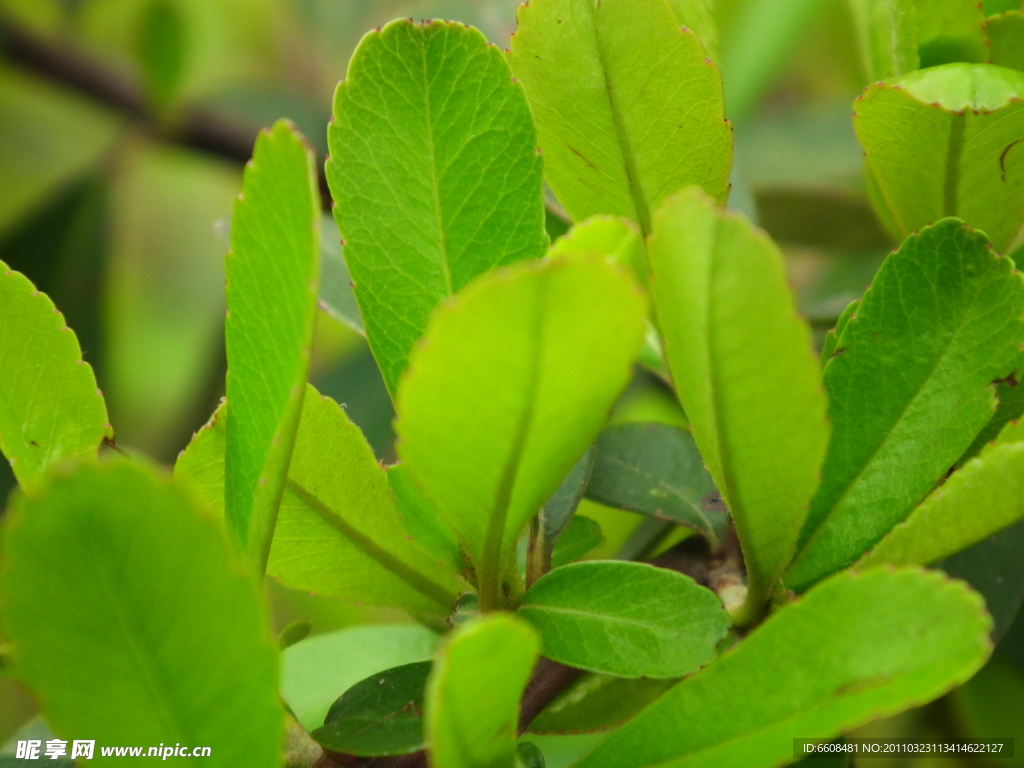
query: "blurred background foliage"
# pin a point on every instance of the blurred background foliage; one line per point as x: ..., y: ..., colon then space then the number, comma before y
x: 123, y: 128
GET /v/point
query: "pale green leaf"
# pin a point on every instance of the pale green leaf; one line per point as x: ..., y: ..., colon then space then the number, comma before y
x: 338, y: 532
x: 513, y: 381
x: 337, y: 297
x: 317, y: 671
x: 744, y: 370
x: 132, y: 621
x: 434, y: 169
x: 472, y: 703
x: 618, y: 240
x: 887, y: 33
x: 945, y: 141
x: 1006, y: 36
x: 911, y: 384
x: 423, y: 521
x: 699, y: 15
x: 628, y: 107
x: 950, y: 30
x: 50, y: 408
x: 273, y: 270
x: 625, y: 619
x: 856, y: 648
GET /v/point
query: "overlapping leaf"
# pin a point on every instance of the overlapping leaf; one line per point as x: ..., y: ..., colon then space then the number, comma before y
x: 744, y: 371
x: 628, y: 107
x: 598, y: 703
x: 950, y: 30
x: 1006, y: 38
x: 910, y: 385
x: 945, y: 141
x: 273, y: 270
x: 50, y: 408
x: 887, y: 34
x: 816, y: 668
x: 338, y: 532
x: 434, y: 170
x: 132, y: 621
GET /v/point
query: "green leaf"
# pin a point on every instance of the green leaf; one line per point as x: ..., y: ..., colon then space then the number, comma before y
x: 294, y: 633
x: 434, y: 169
x: 162, y: 47
x: 991, y: 486
x: 424, y: 523
x: 512, y: 383
x: 379, y: 716
x: 656, y: 469
x: 50, y: 408
x: 317, y: 671
x: 743, y: 367
x: 950, y: 30
x: 993, y: 7
x: 628, y: 107
x: 528, y: 755
x: 942, y: 142
x: 948, y: 297
x: 557, y: 513
x: 1006, y: 37
x: 699, y: 16
x: 338, y: 532
x: 474, y: 690
x: 273, y: 270
x: 625, y: 619
x: 337, y: 297
x: 581, y: 538
x: 887, y: 33
x: 123, y: 638
x: 815, y: 668
x: 598, y: 703
x: 618, y: 240
x: 1011, y: 407
x: 828, y: 349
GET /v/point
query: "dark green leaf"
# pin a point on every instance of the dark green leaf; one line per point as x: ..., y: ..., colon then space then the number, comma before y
x: 582, y: 537
x: 625, y: 619
x: 556, y: 516
x: 162, y: 48
x: 598, y: 703
x: 294, y: 633
x: 434, y: 169
x: 950, y: 30
x: 656, y: 469
x: 528, y: 756
x: 379, y: 716
x: 817, y: 667
x: 273, y: 270
x: 900, y: 421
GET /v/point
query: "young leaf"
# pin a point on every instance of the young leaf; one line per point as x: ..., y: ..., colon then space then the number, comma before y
x: 628, y: 107
x: 434, y: 170
x: 901, y: 420
x: 338, y: 532
x: 581, y: 538
x: 978, y: 500
x: 656, y: 469
x: 1006, y: 37
x: 699, y: 15
x: 474, y: 690
x: 625, y: 619
x: 950, y: 30
x: 316, y: 672
x: 379, y: 716
x: 512, y: 383
x: 619, y: 240
x: 887, y: 34
x: 125, y: 637
x: 273, y: 270
x: 816, y: 668
x: 50, y: 408
x: 942, y: 142
x: 743, y: 367
x: 598, y: 703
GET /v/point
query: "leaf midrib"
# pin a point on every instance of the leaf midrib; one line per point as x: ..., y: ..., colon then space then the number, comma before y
x: 653, y: 628
x: 435, y: 189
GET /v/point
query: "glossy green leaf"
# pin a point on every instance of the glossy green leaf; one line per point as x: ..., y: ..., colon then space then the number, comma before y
x: 628, y: 107
x: 338, y: 532
x: 948, y: 297
x: 581, y: 538
x: 1006, y: 37
x: 50, y: 408
x: 816, y: 668
x: 379, y: 716
x: 317, y: 671
x: 887, y: 33
x: 273, y: 270
x: 124, y: 639
x: 598, y: 703
x: 625, y: 619
x: 512, y: 383
x: 434, y: 170
x: 990, y: 486
x: 950, y: 30
x: 944, y: 141
x: 337, y: 297
x: 656, y: 469
x: 745, y: 373
x: 473, y: 693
